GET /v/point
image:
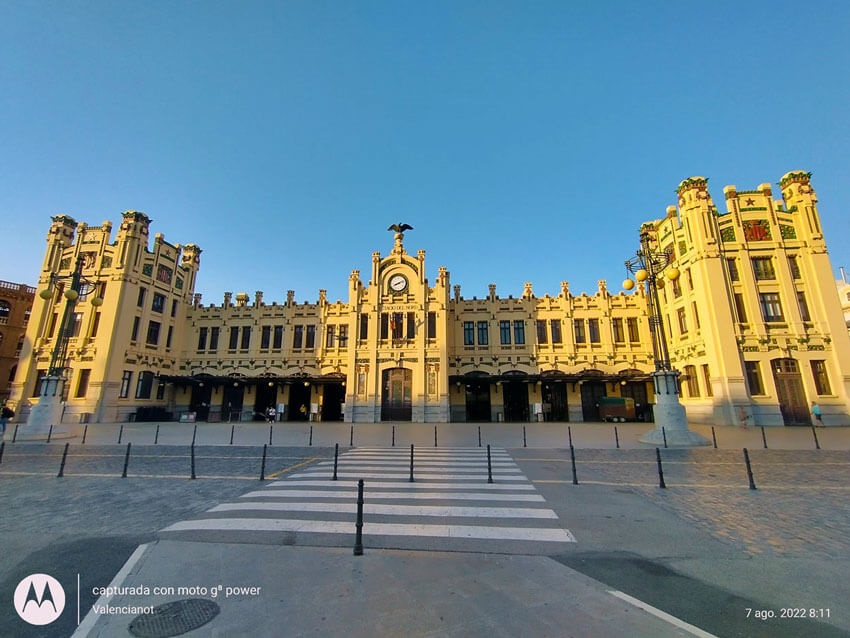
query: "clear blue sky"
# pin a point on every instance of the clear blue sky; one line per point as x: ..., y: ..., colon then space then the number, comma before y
x: 524, y: 141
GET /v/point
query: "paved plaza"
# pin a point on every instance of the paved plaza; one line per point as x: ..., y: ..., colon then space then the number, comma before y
x: 498, y: 530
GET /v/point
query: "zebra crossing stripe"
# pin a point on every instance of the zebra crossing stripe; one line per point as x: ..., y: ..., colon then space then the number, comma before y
x: 399, y: 510
x: 376, y: 529
x: 385, y: 496
x: 405, y: 475
x: 327, y: 482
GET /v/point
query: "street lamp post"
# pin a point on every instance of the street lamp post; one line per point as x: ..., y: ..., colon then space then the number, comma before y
x: 671, y: 422
x: 48, y: 410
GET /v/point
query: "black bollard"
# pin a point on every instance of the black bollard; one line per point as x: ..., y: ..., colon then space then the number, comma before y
x: 15, y: 434
x: 351, y: 437
x: 311, y: 436
x: 358, y: 537
x: 336, y: 460
x: 573, y: 461
x: 194, y: 434
x: 713, y: 437
x: 61, y: 465
x: 126, y: 462
x: 85, y: 432
x: 524, y: 440
x: 156, y: 436
x: 570, y: 435
x: 664, y: 434
x: 815, y: 434
x: 50, y: 433
x: 749, y: 469
x: 271, y: 430
x: 489, y: 466
x: 616, y: 437
x: 435, y: 436
x: 2, y: 447
x: 411, y: 462
x: 192, y: 453
x: 393, y: 436
x: 120, y: 433
x: 479, y: 436
x: 661, y: 482
x: 232, y: 429
x: 263, y: 464
x: 763, y: 437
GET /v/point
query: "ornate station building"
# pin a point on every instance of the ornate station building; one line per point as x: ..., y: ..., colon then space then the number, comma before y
x: 753, y: 324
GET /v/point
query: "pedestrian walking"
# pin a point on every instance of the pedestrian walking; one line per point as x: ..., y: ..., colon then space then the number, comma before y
x: 271, y: 413
x: 6, y: 413
x: 817, y: 413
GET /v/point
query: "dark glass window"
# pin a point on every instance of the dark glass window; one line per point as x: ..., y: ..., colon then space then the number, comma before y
x: 364, y: 327
x: 246, y: 337
x: 265, y: 337
x: 234, y: 338
x: 141, y: 299
x: 411, y: 325
x: 144, y: 385
x: 634, y: 330
x: 771, y: 307
x: 763, y: 268
x: 555, y: 327
x: 821, y: 377
x: 202, y: 339
x: 153, y: 333
x: 83, y: 382
x: 740, y: 309
x: 277, y: 341
x: 432, y: 325
x: 505, y: 332
x: 593, y: 330
x: 542, y: 337
x: 330, y: 337
x: 794, y: 266
x: 519, y: 331
x: 804, y: 306
x: 617, y: 329
x: 298, y: 337
x: 158, y: 302
x: 483, y: 333
x: 754, y: 377
x: 311, y: 337
x: 126, y: 379
x: 732, y: 263
x: 468, y: 333
x: 214, y: 332
x: 578, y: 327
x: 385, y: 326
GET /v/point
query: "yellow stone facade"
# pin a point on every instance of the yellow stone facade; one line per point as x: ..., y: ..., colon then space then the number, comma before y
x: 753, y: 324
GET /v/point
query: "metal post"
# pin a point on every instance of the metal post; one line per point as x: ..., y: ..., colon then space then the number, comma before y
x: 85, y: 432
x: 194, y: 434
x: 156, y: 436
x: 2, y: 447
x: 192, y: 452
x: 570, y: 435
x: 524, y: 440
x: 763, y: 437
x: 49, y: 433
x: 661, y: 482
x: 126, y: 461
x: 489, y: 466
x: 393, y: 436
x: 616, y: 437
x: 120, y: 433
x: 664, y: 434
x: 815, y: 434
x: 435, y: 436
x: 358, y: 537
x: 232, y: 429
x: 713, y: 437
x: 311, y: 436
x: 263, y: 464
x: 61, y: 465
x: 351, y: 437
x: 336, y: 460
x: 271, y: 429
x: 15, y: 434
x: 749, y: 469
x: 479, y: 436
x: 411, y: 462
x: 573, y: 461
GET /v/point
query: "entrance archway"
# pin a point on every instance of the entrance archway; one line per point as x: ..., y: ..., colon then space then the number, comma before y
x: 397, y: 395
x: 790, y: 392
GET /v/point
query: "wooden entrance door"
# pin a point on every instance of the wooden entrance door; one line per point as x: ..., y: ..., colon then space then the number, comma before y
x: 790, y: 392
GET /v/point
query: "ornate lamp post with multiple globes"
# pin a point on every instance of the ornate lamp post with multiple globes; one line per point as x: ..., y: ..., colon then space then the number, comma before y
x: 671, y: 423
x: 48, y: 410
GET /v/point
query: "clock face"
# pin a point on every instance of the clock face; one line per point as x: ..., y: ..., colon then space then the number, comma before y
x: 398, y: 283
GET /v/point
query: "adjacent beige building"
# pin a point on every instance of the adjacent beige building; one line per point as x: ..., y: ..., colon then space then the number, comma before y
x: 753, y: 324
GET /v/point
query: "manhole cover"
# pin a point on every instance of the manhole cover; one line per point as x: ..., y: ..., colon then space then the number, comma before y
x: 174, y: 618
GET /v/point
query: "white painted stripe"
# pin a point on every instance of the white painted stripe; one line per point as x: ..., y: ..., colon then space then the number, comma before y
x: 382, y: 529
x: 351, y: 467
x: 385, y: 496
x: 396, y: 485
x: 85, y: 627
x: 422, y: 475
x: 401, y: 454
x: 392, y: 510
x: 676, y: 622
x: 403, y: 463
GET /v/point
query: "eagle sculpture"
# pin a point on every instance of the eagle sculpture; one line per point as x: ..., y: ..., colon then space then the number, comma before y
x: 400, y: 228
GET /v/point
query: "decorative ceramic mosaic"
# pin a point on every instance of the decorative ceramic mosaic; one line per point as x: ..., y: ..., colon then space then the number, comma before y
x: 787, y: 232
x: 757, y: 230
x: 727, y: 234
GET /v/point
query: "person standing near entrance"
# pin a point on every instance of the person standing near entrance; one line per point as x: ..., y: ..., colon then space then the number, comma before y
x: 5, y: 415
x: 271, y: 414
x: 817, y: 413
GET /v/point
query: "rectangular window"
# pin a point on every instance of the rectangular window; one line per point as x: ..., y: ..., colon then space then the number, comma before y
x: 298, y: 337
x: 432, y: 325
x: 95, y: 324
x: 396, y: 325
x: 202, y: 339
x: 52, y: 327
x: 265, y: 337
x: 174, y: 308
x: 411, y: 325
x: 311, y: 337
x: 696, y: 315
x: 617, y: 329
x: 771, y: 307
x: 330, y: 338
x: 706, y: 377
x: 234, y: 338
x: 158, y: 302
x: 578, y: 327
x: 763, y: 268
x: 483, y: 333
x: 364, y: 327
x: 677, y: 288
x: 794, y: 266
x: 693, y: 381
x: 740, y: 309
x: 343, y: 336
x: 683, y: 321
x: 505, y: 332
x: 153, y: 333
x: 144, y: 385
x: 246, y: 338
x: 519, y: 332
x: 555, y: 327
x: 593, y: 330
x: 541, y: 331
x: 83, y: 382
x: 821, y: 378
x: 732, y: 264
x: 214, y: 333
x: 73, y: 330
x: 754, y: 377
x: 168, y: 336
x: 141, y: 299
x: 634, y: 331
x: 277, y: 340
x: 126, y: 379
x: 385, y: 326
x: 804, y: 306
x: 468, y: 333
